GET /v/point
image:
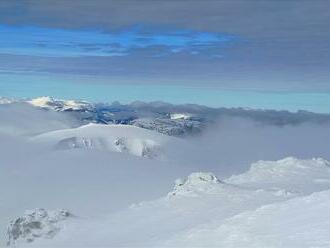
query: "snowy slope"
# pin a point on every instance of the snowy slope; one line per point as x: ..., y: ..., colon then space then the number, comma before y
x: 203, y: 211
x: 116, y: 138
x: 300, y: 222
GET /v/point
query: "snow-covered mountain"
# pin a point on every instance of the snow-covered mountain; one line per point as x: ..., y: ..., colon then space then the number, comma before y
x: 116, y: 138
x: 60, y: 105
x: 281, y: 203
x: 174, y: 120
x: 162, y: 122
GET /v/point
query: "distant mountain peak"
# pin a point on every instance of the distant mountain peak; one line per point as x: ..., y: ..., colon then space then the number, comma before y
x: 58, y: 105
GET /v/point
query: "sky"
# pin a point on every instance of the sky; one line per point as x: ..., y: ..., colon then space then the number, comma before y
x: 216, y: 53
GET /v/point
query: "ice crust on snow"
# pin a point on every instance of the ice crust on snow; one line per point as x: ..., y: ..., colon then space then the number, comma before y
x: 34, y: 224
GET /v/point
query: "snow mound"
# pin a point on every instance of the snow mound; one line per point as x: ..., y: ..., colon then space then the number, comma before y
x: 38, y: 223
x: 195, y: 182
x: 291, y: 174
x: 116, y: 138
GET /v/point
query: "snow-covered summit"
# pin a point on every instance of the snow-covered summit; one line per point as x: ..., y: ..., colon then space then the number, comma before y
x: 116, y: 138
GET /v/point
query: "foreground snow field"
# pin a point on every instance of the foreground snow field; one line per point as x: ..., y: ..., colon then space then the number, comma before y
x: 275, y: 204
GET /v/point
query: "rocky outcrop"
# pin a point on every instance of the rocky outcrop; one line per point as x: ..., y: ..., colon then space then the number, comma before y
x: 194, y: 183
x: 172, y: 127
x: 34, y: 224
x: 142, y: 148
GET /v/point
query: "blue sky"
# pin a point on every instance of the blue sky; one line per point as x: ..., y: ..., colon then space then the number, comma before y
x: 48, y: 42
x: 65, y: 87
x: 259, y: 54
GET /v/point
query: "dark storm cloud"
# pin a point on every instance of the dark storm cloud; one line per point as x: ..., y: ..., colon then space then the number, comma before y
x: 268, y: 18
x: 283, y: 43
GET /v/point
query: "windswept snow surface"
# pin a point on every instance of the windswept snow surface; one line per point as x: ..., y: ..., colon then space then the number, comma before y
x: 268, y: 206
x: 300, y: 222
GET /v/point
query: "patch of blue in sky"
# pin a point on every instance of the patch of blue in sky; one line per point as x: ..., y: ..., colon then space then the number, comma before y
x: 40, y: 41
x: 22, y: 86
